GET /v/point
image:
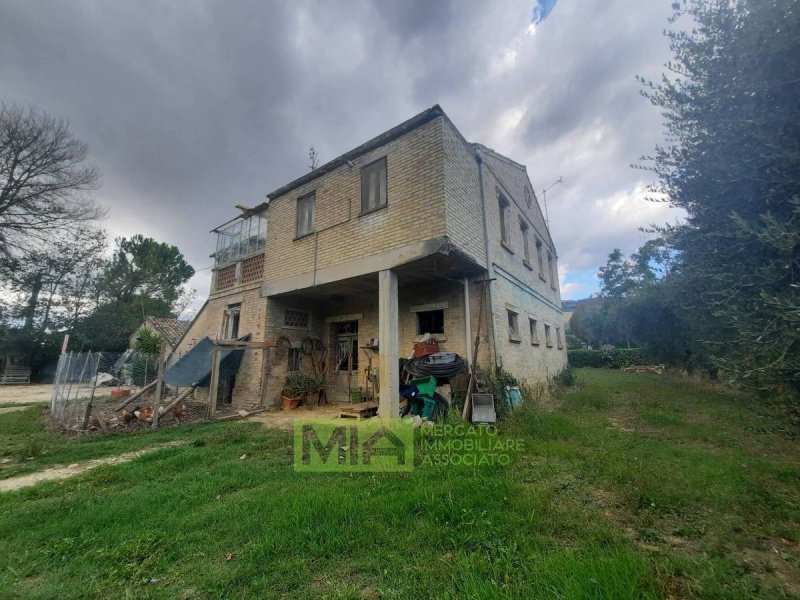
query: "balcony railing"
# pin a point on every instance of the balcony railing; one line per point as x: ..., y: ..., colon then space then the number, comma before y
x: 239, y: 239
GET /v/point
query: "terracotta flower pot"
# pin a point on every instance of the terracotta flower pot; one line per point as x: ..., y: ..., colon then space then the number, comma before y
x: 289, y: 403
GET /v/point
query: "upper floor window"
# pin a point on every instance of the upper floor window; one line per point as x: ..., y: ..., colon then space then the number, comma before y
x: 548, y: 337
x: 523, y: 229
x: 305, y: 215
x: 528, y: 196
x: 505, y: 218
x: 373, y: 186
x: 551, y: 267
x: 540, y: 257
x: 239, y: 238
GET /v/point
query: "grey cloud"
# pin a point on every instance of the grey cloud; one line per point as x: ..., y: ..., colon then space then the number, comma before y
x: 190, y: 108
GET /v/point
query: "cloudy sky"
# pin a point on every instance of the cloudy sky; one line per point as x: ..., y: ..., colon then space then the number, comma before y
x: 192, y: 107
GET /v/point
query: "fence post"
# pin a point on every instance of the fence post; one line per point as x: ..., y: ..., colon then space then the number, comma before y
x: 212, y: 392
x: 159, y: 383
x: 91, y: 396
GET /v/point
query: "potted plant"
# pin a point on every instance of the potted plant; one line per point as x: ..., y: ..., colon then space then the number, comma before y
x: 298, y: 386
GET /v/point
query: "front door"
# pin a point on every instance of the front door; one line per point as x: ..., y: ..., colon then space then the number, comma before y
x: 345, y: 343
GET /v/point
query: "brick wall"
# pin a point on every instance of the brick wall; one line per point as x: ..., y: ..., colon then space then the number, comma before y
x: 415, y: 211
x: 252, y: 320
x: 464, y: 212
x: 518, y: 287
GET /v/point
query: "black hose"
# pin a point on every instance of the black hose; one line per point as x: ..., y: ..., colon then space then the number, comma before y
x: 420, y: 367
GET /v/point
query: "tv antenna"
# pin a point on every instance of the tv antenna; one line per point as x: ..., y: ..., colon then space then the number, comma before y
x: 544, y: 196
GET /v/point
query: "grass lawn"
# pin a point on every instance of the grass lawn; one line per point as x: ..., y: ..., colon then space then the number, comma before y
x: 629, y: 486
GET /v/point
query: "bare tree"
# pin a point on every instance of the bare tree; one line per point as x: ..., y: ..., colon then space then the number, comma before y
x: 42, y: 178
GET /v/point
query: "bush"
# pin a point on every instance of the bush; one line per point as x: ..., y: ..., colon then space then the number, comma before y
x: 609, y: 358
x: 566, y: 377
x: 300, y: 384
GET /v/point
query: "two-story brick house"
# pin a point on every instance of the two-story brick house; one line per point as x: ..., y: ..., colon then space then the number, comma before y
x: 410, y: 233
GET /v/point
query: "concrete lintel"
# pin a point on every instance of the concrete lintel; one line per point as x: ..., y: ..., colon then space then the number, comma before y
x: 354, y: 268
x: 388, y: 342
x: 345, y: 318
x: 430, y: 306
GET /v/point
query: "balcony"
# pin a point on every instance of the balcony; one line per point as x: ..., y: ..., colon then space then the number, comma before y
x: 240, y: 238
x: 239, y: 257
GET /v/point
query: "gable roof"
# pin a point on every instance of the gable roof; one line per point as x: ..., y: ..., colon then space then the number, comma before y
x: 387, y: 136
x: 172, y: 330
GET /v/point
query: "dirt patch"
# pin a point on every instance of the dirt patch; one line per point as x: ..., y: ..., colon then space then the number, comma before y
x: 9, y: 409
x: 25, y: 394
x: 64, y: 472
x: 284, y: 419
x: 775, y: 562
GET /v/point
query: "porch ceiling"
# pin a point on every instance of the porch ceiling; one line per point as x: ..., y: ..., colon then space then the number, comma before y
x: 435, y: 267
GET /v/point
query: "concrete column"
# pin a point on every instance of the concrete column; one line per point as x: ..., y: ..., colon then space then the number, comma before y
x: 388, y: 342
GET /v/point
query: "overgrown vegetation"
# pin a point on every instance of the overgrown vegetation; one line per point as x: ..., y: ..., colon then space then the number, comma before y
x: 719, y: 291
x: 633, y: 486
x: 609, y: 358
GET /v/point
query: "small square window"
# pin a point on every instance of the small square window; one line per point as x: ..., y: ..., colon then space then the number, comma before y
x: 534, y: 325
x: 305, y: 214
x: 430, y: 321
x: 296, y: 318
x: 294, y: 359
x: 548, y: 338
x: 373, y: 186
x: 513, y: 326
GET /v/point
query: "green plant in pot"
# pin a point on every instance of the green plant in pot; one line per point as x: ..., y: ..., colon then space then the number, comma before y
x: 298, y: 386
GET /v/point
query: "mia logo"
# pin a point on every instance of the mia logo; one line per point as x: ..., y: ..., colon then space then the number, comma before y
x: 383, y: 445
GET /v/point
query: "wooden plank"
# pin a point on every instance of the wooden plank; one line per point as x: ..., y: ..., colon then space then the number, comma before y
x: 138, y: 394
x: 212, y: 392
x: 360, y: 410
x: 162, y: 357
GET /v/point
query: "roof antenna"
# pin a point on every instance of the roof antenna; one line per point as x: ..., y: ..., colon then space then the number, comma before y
x: 544, y: 195
x: 313, y: 158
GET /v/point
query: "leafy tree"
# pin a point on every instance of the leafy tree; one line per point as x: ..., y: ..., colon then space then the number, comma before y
x: 111, y: 324
x: 144, y: 267
x: 42, y: 179
x: 730, y: 103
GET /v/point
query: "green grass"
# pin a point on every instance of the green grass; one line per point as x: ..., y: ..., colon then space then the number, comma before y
x: 634, y: 486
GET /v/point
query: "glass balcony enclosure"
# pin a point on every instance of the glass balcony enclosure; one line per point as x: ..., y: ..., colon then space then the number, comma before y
x: 240, y: 238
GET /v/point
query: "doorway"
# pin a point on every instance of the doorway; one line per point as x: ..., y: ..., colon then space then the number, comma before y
x: 345, y: 373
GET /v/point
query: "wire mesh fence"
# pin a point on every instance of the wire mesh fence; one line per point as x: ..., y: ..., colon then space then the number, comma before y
x: 113, y: 391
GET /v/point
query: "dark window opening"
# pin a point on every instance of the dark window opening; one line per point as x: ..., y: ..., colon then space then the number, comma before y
x: 430, y: 321
x: 373, y: 186
x: 294, y: 359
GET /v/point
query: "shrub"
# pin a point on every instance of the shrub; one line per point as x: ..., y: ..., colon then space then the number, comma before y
x: 567, y: 376
x: 300, y: 384
x: 585, y: 358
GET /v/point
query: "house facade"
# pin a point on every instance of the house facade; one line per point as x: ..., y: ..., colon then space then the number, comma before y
x: 415, y: 232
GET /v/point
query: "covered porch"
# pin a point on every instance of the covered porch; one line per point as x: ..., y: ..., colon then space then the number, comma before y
x: 365, y: 324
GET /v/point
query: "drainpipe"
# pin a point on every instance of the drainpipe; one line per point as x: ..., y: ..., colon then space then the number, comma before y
x: 489, y: 263
x: 467, y: 324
